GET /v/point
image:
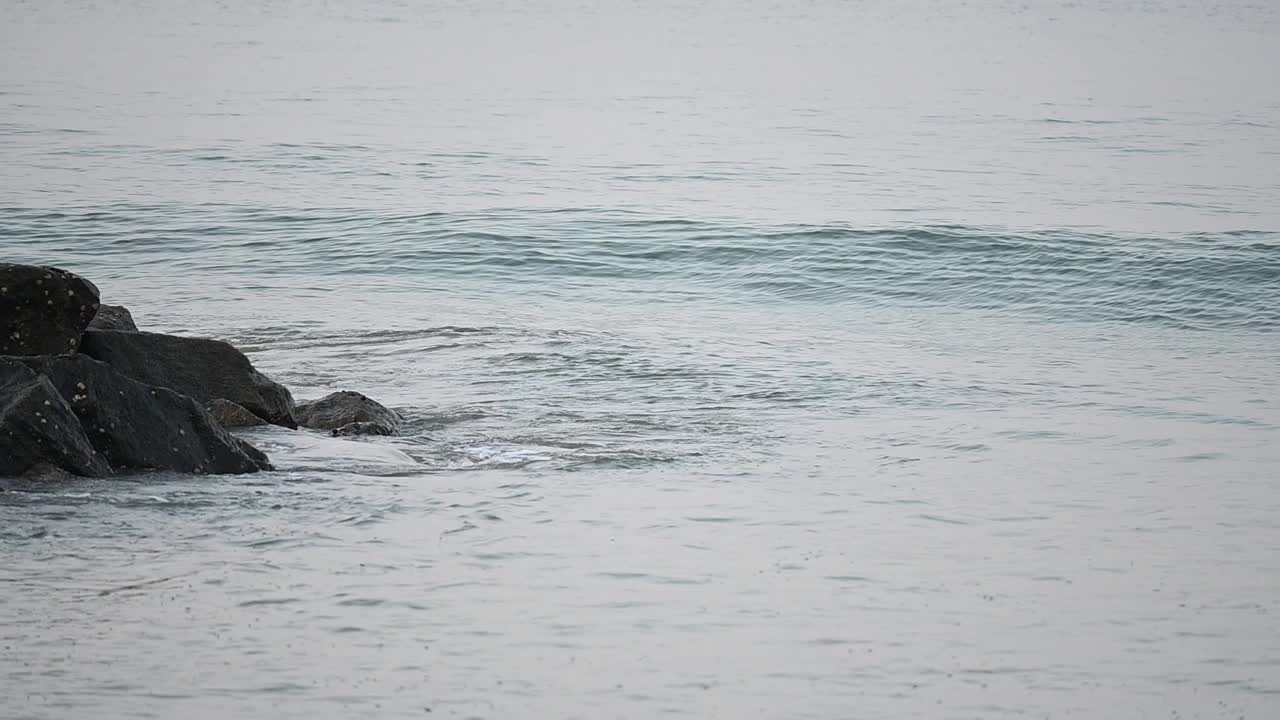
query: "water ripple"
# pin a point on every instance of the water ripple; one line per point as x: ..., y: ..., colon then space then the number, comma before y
x: 1194, y: 281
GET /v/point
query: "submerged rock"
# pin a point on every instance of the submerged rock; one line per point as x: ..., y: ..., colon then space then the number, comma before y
x: 38, y: 431
x: 113, y: 317
x: 134, y: 425
x: 348, y: 413
x: 362, y: 428
x: 43, y: 310
x: 204, y: 369
x: 231, y: 415
x: 311, y: 452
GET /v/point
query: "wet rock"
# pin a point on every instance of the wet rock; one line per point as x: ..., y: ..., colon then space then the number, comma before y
x: 348, y: 413
x: 361, y: 428
x: 313, y: 452
x: 113, y: 317
x: 231, y: 415
x: 259, y: 458
x: 204, y: 369
x: 38, y: 430
x: 46, y: 473
x: 43, y: 310
x: 134, y: 425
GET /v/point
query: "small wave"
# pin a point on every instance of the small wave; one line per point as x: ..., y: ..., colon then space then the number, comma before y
x: 1194, y: 281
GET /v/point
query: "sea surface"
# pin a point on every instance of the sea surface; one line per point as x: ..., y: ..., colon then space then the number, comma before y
x: 760, y: 359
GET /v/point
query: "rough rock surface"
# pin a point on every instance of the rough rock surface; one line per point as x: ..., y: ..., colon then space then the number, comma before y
x: 134, y: 425
x: 37, y: 428
x: 348, y: 413
x: 203, y: 369
x: 231, y: 415
x: 43, y: 310
x: 113, y: 317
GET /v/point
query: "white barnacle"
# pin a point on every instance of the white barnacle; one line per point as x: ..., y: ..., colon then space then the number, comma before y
x: 80, y: 385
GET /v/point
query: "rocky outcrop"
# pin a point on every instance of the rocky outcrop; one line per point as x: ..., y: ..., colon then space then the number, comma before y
x: 43, y: 310
x: 38, y: 431
x: 135, y: 425
x: 113, y: 317
x: 203, y: 369
x: 348, y: 413
x: 84, y: 393
x: 231, y: 415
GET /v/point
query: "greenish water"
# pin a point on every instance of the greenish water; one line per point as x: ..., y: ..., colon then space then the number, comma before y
x: 845, y: 360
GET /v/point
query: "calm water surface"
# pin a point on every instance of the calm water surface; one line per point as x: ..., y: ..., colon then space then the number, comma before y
x: 834, y: 360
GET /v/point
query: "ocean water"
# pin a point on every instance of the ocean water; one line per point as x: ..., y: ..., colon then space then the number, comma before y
x: 760, y: 360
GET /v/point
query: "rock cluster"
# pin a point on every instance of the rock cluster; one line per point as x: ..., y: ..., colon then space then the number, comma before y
x: 83, y: 392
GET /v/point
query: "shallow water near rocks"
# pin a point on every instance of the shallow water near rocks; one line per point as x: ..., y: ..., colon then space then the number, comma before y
x: 841, y: 361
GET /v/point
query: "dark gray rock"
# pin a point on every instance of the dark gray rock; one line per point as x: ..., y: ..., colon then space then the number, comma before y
x: 351, y: 412
x: 43, y: 310
x: 259, y: 458
x: 204, y: 369
x: 46, y: 473
x: 113, y: 317
x: 134, y: 425
x: 231, y: 415
x: 362, y: 428
x: 37, y: 428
